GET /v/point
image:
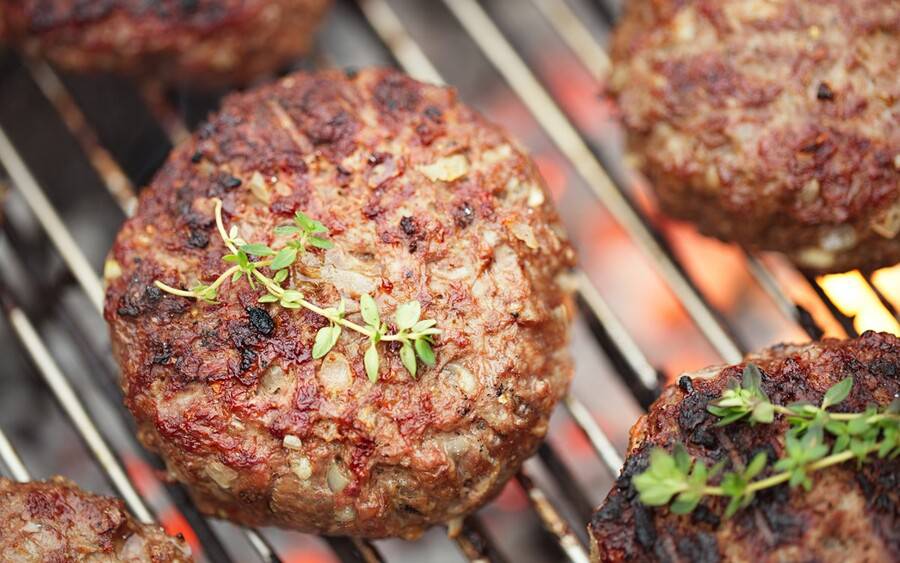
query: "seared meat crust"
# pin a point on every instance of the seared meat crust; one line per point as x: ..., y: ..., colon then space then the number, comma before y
x: 772, y: 124
x: 54, y: 520
x: 206, y: 42
x: 425, y: 200
x: 849, y: 515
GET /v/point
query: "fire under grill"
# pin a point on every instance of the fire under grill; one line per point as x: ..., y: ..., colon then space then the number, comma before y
x: 653, y: 298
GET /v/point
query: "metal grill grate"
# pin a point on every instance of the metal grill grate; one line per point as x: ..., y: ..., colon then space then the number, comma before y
x: 560, y: 503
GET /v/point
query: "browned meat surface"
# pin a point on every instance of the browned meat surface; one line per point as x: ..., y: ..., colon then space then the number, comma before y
x: 424, y: 200
x: 193, y: 41
x: 849, y: 514
x: 54, y: 521
x: 772, y: 124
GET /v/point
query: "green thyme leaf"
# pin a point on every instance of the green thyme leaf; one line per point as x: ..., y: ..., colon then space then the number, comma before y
x: 686, y: 502
x: 369, y: 310
x: 268, y: 298
x: 408, y: 358
x: 286, y: 230
x: 837, y: 392
x: 764, y: 412
x: 407, y: 315
x: 257, y: 249
x: 423, y: 325
x: 424, y: 351
x: 322, y: 243
x: 285, y: 257
x: 756, y: 465
x: 752, y: 378
x: 326, y: 338
x: 371, y: 361
x: 291, y: 296
x: 280, y: 276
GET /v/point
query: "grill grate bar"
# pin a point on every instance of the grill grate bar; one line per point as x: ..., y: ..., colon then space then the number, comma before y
x: 471, y: 541
x: 552, y: 520
x: 882, y: 297
x: 50, y: 221
x: 154, y: 95
x: 12, y: 461
x: 642, y: 377
x: 845, y: 321
x: 572, y: 30
x: 74, y: 409
x: 387, y: 25
x: 117, y: 182
x: 602, y: 445
x: 497, y: 49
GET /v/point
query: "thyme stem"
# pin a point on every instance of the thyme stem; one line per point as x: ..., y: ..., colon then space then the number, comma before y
x: 784, y: 476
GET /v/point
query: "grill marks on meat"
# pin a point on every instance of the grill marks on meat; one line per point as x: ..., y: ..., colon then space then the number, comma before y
x: 206, y: 42
x: 458, y: 219
x: 56, y: 521
x: 770, y: 124
x: 849, y: 515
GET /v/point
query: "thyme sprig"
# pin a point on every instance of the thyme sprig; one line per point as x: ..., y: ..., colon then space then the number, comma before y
x: 856, y: 436
x: 254, y: 261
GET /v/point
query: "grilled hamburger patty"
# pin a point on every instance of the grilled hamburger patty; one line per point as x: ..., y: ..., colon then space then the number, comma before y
x: 772, y: 124
x: 849, y: 515
x: 197, y: 41
x: 56, y: 521
x: 424, y: 200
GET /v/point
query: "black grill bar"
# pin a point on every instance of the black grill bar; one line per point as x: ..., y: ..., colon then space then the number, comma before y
x: 552, y: 520
x: 117, y: 182
x: 787, y: 307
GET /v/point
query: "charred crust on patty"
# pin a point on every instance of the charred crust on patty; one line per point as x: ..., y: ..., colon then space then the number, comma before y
x: 851, y: 513
x: 260, y: 431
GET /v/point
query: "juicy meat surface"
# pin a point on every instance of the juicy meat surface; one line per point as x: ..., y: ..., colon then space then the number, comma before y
x: 54, y: 520
x: 772, y: 124
x: 201, y: 42
x: 849, y: 514
x: 425, y: 200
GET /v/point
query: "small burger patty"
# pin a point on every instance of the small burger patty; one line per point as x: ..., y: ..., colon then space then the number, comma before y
x: 772, y: 124
x: 56, y: 521
x: 850, y: 514
x: 424, y: 200
x: 199, y: 41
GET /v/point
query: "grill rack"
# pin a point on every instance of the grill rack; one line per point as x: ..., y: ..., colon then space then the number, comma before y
x: 632, y: 365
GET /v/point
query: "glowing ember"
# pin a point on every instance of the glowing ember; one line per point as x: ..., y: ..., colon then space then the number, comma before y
x: 856, y: 299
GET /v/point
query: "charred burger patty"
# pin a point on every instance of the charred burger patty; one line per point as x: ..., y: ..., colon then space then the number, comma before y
x: 56, y: 521
x: 202, y: 41
x: 772, y: 124
x: 849, y: 514
x: 423, y: 200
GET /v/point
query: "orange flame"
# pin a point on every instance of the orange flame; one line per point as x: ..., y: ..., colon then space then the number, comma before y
x: 856, y: 299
